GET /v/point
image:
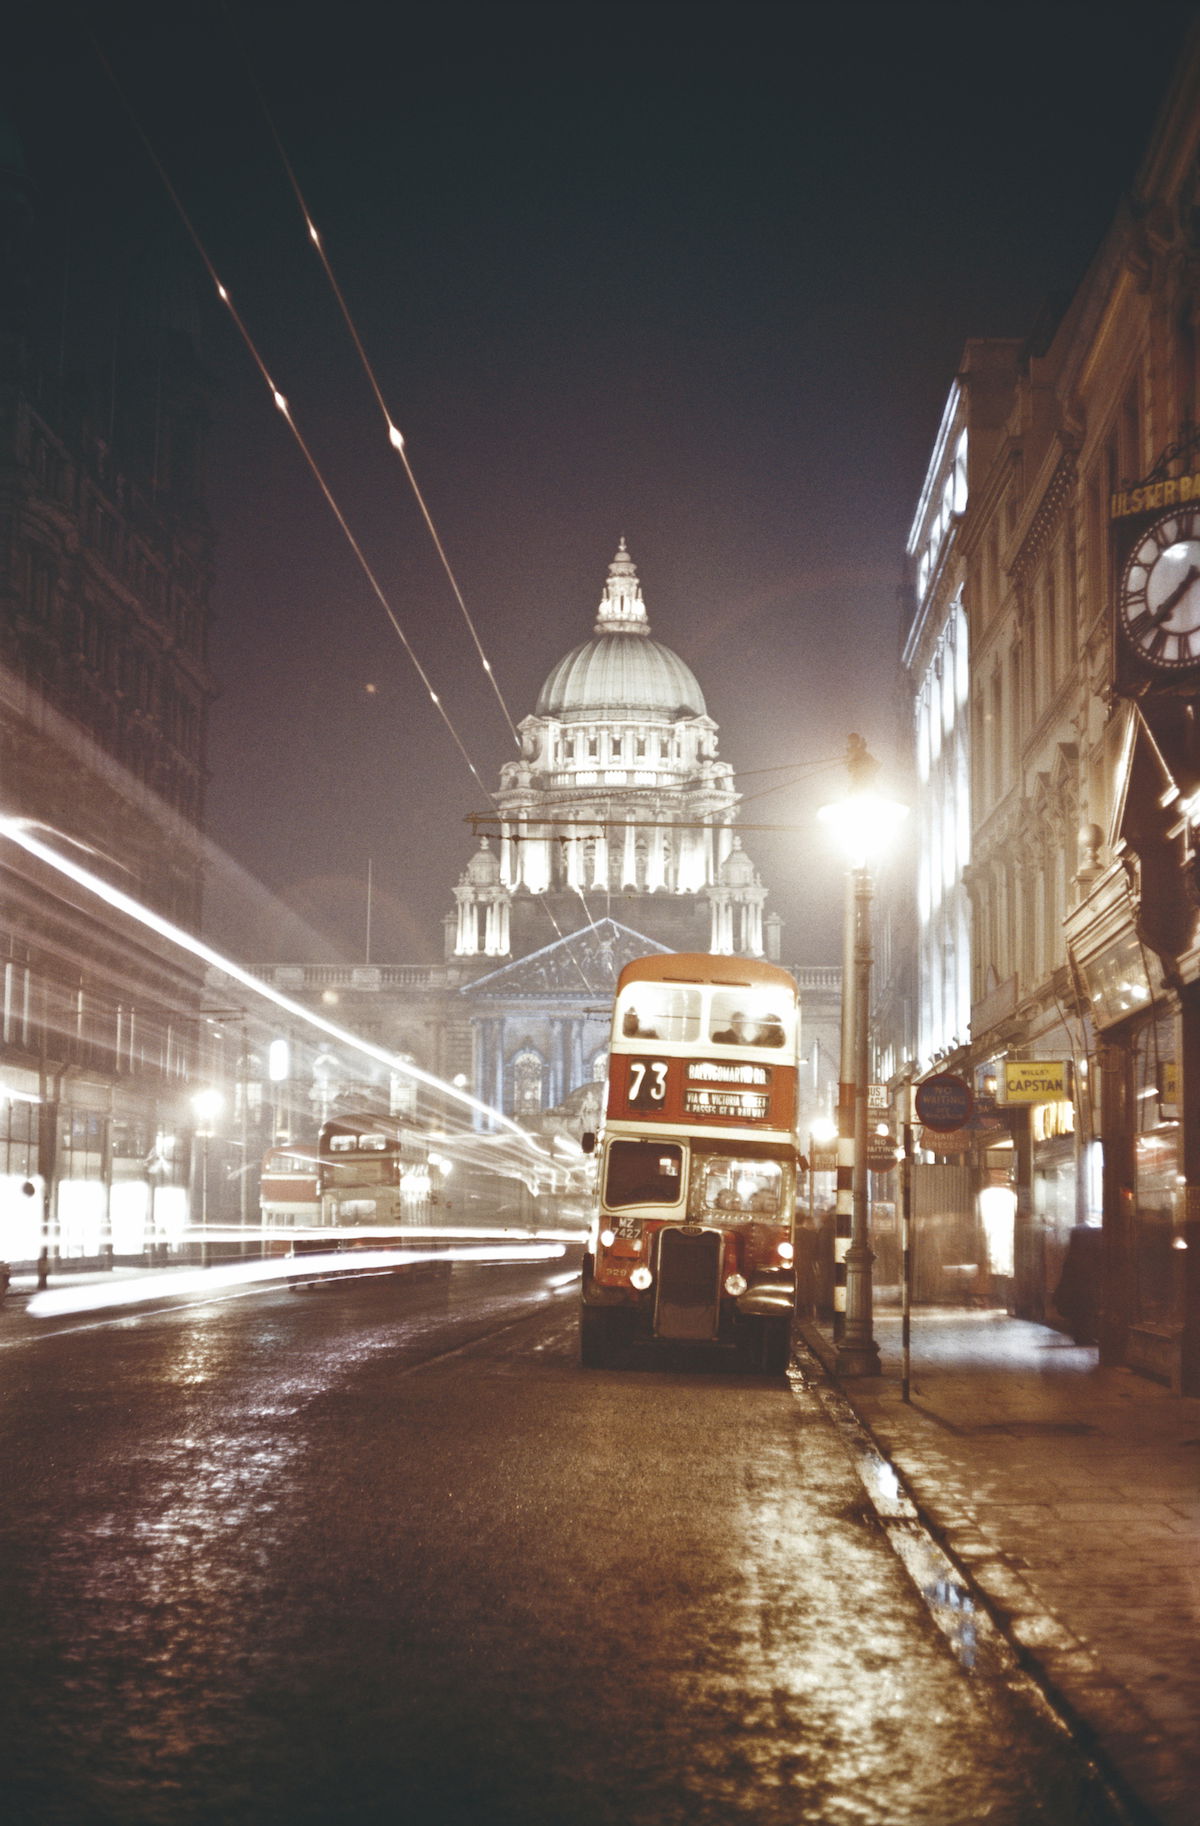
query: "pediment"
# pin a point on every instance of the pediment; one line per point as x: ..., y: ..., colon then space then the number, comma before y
x: 585, y: 963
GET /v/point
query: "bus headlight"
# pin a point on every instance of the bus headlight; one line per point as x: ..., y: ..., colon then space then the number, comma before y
x: 641, y: 1277
x: 735, y: 1284
x: 786, y: 1252
x: 608, y: 1238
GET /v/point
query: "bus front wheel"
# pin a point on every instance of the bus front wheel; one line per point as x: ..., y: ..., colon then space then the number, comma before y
x: 766, y: 1344
x: 776, y: 1345
x: 595, y: 1336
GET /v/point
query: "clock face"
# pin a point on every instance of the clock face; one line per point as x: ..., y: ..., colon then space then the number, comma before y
x: 1160, y: 595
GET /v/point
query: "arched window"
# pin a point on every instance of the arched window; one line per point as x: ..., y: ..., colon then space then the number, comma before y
x: 528, y: 1071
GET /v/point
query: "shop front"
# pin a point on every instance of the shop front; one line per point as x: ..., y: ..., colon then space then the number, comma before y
x: 1143, y: 1025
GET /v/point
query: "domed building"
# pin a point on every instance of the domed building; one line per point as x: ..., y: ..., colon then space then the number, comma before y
x: 613, y: 835
x: 618, y: 807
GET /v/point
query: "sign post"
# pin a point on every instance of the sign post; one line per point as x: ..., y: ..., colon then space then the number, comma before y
x: 943, y: 1104
x: 906, y: 1272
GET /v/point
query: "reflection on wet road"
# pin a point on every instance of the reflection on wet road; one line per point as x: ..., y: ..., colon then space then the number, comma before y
x: 382, y: 1551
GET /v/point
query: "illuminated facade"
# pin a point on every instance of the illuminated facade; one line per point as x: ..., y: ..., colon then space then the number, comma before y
x: 619, y: 803
x: 1079, y: 853
x: 937, y: 659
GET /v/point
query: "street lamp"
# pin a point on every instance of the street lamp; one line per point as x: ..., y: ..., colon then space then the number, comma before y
x: 863, y: 822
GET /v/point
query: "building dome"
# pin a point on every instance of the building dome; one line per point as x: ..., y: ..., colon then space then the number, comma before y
x: 621, y: 670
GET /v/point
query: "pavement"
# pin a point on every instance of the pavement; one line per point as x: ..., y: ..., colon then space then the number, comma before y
x: 1069, y: 1497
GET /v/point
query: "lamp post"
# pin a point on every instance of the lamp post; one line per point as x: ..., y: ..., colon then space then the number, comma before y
x: 863, y: 821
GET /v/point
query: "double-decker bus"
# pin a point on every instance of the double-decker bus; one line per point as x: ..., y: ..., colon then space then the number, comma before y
x: 289, y: 1186
x: 372, y: 1171
x: 694, y: 1232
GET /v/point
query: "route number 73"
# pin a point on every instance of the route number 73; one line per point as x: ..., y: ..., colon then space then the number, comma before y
x: 647, y: 1081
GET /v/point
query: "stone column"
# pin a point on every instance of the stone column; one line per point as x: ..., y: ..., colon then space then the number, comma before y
x: 468, y: 928
x: 629, y: 858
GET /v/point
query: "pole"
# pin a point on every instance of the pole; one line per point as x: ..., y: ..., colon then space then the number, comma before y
x: 906, y: 1271
x: 858, y: 1353
x: 204, y: 1202
x: 844, y: 1204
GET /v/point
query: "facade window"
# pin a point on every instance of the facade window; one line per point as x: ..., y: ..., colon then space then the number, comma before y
x: 1051, y: 617
x: 18, y: 1138
x: 41, y: 586
x: 528, y: 1071
x: 104, y: 531
x: 1131, y: 432
x: 960, y: 475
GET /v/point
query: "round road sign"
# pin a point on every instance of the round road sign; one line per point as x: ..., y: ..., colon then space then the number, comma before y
x: 881, y: 1153
x: 944, y: 1102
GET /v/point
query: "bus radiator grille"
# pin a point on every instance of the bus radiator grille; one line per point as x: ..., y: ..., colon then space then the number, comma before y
x: 689, y: 1284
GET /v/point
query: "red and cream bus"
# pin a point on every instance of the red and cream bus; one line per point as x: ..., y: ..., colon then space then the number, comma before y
x: 290, y: 1186
x: 694, y: 1234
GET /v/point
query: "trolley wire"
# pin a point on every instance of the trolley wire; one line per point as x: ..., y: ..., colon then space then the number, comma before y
x: 284, y: 409
x: 396, y: 438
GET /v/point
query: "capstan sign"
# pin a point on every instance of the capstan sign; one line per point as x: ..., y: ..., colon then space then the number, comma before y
x: 1035, y: 1081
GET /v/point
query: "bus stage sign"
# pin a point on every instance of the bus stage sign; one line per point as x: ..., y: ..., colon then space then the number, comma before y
x: 713, y: 1089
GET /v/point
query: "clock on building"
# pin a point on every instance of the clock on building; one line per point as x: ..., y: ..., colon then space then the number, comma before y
x: 1159, y: 604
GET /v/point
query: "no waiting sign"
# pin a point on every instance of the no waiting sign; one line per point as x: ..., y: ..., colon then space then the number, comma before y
x: 944, y: 1102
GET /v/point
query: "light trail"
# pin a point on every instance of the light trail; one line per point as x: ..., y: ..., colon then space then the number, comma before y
x: 20, y: 832
x: 56, y: 1302
x: 292, y: 1233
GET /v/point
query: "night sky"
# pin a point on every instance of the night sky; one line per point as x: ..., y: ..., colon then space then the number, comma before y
x: 696, y: 274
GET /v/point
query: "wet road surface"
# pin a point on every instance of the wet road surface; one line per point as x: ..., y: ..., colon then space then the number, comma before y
x: 383, y: 1552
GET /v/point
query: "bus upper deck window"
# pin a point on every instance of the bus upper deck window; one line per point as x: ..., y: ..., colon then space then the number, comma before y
x: 660, y: 1011
x: 735, y: 1024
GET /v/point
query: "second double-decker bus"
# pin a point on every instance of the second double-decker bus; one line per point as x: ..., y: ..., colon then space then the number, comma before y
x: 373, y: 1171
x: 694, y: 1233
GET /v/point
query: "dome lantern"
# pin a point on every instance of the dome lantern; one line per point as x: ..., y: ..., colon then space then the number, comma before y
x: 622, y: 610
x: 621, y: 672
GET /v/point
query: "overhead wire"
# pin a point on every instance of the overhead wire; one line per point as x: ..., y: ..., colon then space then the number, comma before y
x: 284, y: 409
x: 396, y: 438
x: 396, y: 441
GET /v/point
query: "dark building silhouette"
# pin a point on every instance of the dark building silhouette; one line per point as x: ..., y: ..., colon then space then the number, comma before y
x: 105, y: 570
